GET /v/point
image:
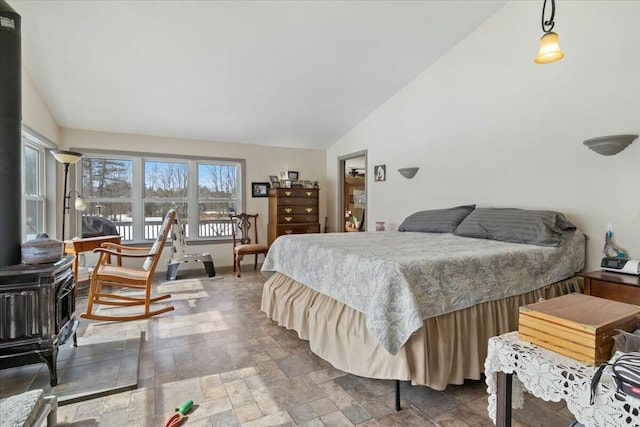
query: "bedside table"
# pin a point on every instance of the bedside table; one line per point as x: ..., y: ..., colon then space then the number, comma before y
x: 614, y: 286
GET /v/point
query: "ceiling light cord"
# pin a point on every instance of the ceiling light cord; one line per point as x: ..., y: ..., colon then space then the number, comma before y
x: 547, y: 26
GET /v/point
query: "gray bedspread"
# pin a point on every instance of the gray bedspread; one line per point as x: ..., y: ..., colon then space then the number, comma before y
x: 398, y: 279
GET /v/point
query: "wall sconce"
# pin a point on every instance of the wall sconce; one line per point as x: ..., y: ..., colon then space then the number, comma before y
x: 67, y: 158
x: 610, y: 145
x: 549, y: 47
x: 408, y: 172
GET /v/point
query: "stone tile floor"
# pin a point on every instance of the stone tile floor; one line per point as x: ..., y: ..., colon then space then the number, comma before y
x: 115, y: 354
x: 239, y: 368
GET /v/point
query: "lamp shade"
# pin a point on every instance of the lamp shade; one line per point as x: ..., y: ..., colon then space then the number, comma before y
x: 80, y: 204
x: 549, y: 49
x: 408, y: 172
x: 66, y: 157
x: 610, y: 145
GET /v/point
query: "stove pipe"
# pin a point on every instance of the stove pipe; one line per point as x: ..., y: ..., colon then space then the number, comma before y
x: 10, y: 136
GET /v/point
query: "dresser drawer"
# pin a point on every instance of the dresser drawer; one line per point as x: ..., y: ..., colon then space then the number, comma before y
x: 297, y: 229
x: 297, y: 192
x: 615, y: 291
x: 297, y: 210
x: 298, y: 201
x: 297, y: 219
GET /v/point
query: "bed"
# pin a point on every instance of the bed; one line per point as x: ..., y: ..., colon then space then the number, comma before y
x: 420, y: 305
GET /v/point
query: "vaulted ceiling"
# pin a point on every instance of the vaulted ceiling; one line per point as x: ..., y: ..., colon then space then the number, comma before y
x: 283, y: 73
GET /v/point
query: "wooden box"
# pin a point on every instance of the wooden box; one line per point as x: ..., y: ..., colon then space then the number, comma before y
x: 577, y: 325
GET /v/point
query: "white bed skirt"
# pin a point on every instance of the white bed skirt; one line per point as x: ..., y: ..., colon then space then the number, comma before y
x: 447, y: 350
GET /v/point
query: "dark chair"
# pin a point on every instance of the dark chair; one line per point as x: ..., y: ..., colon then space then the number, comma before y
x: 242, y: 242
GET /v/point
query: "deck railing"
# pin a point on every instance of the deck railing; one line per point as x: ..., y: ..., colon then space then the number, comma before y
x: 213, y: 228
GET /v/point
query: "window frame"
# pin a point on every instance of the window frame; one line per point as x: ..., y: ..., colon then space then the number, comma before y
x: 138, y: 199
x: 46, y: 181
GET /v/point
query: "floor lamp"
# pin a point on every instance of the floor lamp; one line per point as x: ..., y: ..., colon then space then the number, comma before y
x: 68, y: 158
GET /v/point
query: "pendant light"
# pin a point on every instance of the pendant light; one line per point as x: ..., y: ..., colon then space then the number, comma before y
x: 549, y: 47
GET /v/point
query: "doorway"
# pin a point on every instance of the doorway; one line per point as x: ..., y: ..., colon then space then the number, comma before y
x: 353, y: 186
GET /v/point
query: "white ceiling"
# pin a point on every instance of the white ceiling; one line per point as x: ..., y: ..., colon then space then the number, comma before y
x: 284, y: 73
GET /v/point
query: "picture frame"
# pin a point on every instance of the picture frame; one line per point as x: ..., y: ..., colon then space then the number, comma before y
x: 293, y: 175
x: 259, y: 189
x: 274, y: 181
x: 380, y: 172
x: 284, y: 175
x: 287, y: 184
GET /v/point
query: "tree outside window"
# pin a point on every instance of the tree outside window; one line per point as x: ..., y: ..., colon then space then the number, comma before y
x: 136, y: 202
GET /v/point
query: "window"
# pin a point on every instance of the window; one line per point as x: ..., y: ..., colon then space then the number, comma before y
x: 37, y: 186
x: 134, y: 192
x: 33, y: 190
x: 217, y: 198
x: 107, y: 189
x: 165, y: 187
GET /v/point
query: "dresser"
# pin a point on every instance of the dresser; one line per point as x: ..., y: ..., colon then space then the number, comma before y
x: 292, y: 211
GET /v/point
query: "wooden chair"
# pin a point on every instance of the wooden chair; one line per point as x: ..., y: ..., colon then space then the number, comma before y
x: 242, y: 244
x: 127, y: 277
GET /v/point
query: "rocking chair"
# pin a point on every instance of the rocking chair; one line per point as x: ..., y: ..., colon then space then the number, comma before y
x: 114, y: 275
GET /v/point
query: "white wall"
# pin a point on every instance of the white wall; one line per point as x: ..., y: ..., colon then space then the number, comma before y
x: 261, y: 161
x: 488, y: 126
x: 35, y: 112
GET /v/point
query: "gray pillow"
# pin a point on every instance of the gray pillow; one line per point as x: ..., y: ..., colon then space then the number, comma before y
x: 437, y: 220
x: 542, y: 228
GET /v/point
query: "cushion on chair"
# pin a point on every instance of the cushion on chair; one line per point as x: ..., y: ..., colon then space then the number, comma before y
x: 124, y: 272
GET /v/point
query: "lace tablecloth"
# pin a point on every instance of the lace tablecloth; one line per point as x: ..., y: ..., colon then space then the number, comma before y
x: 552, y: 377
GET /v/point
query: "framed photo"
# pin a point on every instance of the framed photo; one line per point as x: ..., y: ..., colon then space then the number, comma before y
x: 380, y: 172
x: 259, y: 189
x: 287, y: 184
x: 307, y: 184
x: 284, y: 175
x: 274, y: 181
x: 293, y: 175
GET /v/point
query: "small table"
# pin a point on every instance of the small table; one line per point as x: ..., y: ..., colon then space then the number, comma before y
x: 614, y: 286
x: 87, y: 244
x: 552, y: 377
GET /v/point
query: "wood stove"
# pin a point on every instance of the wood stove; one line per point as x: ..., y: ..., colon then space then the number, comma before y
x: 37, y: 313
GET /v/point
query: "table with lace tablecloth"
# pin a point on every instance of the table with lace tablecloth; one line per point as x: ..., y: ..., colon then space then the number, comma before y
x: 551, y: 377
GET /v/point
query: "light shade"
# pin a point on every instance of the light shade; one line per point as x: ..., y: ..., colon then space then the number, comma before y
x: 408, y: 172
x: 609, y: 145
x: 66, y: 157
x: 80, y: 204
x: 549, y: 49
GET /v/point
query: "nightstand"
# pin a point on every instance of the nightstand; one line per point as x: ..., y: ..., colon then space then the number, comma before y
x: 614, y: 286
